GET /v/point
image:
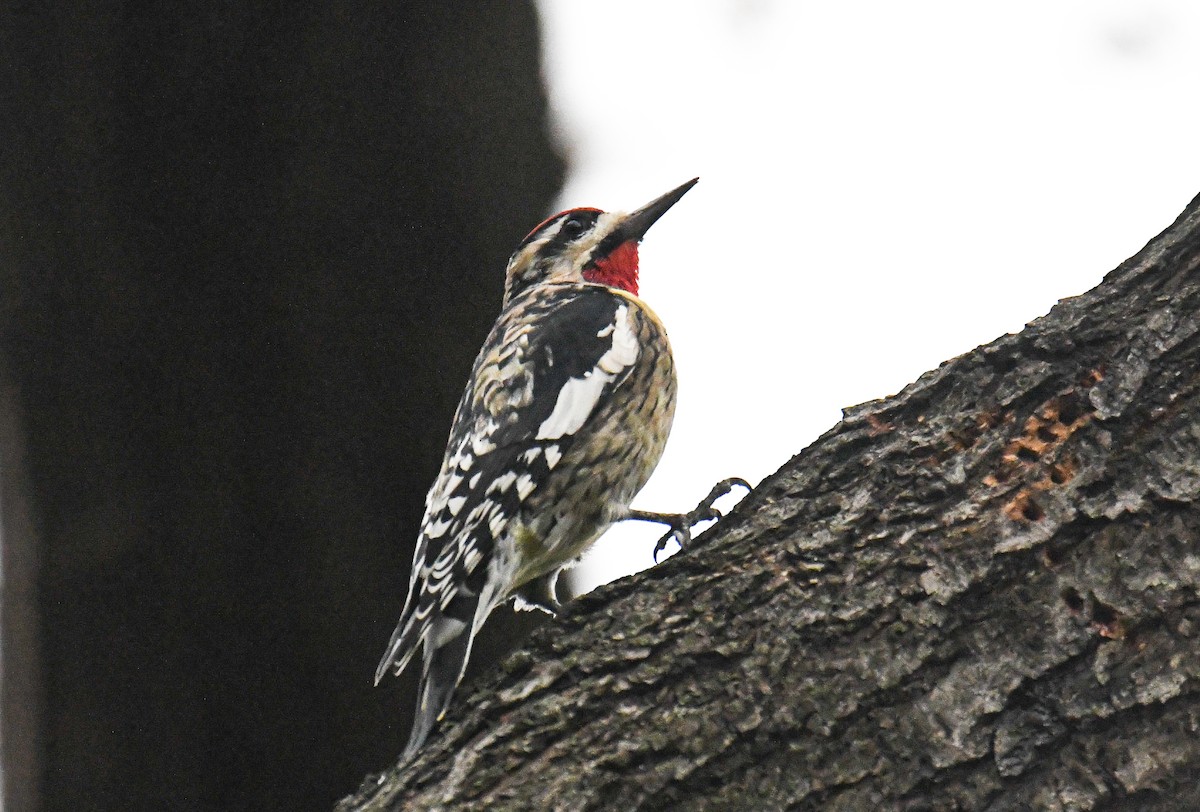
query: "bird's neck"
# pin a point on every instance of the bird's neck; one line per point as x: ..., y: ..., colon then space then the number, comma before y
x: 619, y: 269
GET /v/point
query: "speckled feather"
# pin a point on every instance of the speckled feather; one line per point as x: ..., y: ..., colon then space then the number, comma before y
x: 497, y: 487
x: 565, y: 417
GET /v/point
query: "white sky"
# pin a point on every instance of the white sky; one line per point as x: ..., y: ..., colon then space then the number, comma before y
x: 884, y: 186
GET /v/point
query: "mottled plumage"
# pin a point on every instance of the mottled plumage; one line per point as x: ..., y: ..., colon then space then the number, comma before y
x: 564, y: 418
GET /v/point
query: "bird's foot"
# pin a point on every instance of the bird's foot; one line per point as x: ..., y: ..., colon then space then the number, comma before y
x: 681, y: 523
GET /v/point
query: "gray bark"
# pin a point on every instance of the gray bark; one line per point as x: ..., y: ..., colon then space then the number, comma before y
x: 981, y: 593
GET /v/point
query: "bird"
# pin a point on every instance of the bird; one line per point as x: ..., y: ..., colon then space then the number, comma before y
x: 564, y: 418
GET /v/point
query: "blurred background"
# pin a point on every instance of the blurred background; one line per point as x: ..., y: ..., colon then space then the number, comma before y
x: 884, y: 186
x: 247, y: 257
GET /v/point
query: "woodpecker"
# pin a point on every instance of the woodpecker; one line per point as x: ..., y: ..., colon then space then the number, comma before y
x: 564, y: 418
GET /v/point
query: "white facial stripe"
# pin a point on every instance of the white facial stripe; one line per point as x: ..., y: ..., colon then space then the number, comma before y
x: 566, y: 264
x: 526, y: 254
x: 580, y: 248
x: 579, y: 396
x: 605, y: 223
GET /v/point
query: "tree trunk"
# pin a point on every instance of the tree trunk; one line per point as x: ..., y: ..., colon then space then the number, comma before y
x: 232, y: 235
x: 981, y: 593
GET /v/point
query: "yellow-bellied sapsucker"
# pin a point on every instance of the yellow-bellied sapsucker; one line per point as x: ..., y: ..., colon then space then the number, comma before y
x: 565, y: 417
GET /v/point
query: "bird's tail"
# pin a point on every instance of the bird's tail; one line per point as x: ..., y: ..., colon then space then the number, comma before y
x: 447, y: 647
x: 403, y: 645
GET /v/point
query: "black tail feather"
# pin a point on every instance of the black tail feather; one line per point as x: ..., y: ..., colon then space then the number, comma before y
x: 444, y: 666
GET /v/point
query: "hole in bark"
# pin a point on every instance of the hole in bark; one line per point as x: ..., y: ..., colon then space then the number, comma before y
x: 1103, y: 614
x: 963, y: 438
x: 1072, y: 598
x: 1032, y: 511
x: 1098, y: 488
x: 1046, y: 434
x: 1026, y: 454
x: 1057, y: 475
x: 1052, y: 555
x: 1070, y: 409
x: 1023, y: 506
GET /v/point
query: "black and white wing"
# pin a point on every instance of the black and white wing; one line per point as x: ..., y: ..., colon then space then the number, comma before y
x: 550, y: 363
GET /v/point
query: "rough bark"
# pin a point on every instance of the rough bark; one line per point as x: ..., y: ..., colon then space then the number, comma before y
x: 981, y: 593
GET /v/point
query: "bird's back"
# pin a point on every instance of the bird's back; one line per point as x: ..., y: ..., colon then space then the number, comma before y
x: 563, y: 420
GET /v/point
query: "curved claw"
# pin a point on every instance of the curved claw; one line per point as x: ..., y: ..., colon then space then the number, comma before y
x: 706, y: 509
x: 725, y: 486
x: 681, y: 524
x: 682, y: 536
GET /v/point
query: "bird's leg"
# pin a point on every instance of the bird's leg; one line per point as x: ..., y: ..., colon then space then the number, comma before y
x: 681, y: 523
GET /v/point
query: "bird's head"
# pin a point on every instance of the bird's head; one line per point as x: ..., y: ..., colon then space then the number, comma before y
x: 586, y: 245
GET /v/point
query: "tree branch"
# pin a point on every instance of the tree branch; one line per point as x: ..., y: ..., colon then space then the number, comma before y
x: 983, y: 592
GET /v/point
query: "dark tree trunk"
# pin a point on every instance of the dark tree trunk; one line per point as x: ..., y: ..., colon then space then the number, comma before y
x: 247, y: 254
x: 982, y: 593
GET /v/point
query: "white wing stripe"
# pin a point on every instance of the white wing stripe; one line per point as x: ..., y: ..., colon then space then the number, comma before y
x: 579, y: 396
x: 575, y: 402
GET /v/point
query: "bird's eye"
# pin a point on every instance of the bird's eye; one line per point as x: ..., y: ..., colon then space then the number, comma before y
x: 573, y: 227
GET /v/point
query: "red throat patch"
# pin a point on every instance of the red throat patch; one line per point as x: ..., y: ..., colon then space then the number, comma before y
x: 617, y: 270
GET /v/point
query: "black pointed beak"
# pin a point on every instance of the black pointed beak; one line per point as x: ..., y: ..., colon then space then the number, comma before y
x: 638, y: 223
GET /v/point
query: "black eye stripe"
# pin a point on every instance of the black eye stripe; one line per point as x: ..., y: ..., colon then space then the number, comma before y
x: 574, y: 226
x: 576, y: 223
x: 567, y: 227
x: 586, y: 216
